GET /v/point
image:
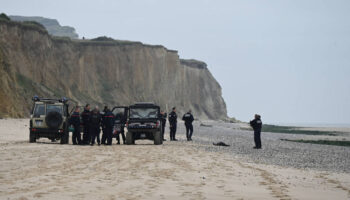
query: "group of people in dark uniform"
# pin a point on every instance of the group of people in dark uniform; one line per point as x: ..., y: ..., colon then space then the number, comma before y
x: 187, y: 118
x: 93, y: 120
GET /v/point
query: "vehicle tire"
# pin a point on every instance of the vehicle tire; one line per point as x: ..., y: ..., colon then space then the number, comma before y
x: 158, y: 138
x: 129, y: 138
x: 53, y: 119
x: 65, y: 135
x: 32, y: 137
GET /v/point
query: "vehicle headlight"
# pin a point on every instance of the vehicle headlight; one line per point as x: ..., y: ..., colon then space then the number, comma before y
x: 39, y: 122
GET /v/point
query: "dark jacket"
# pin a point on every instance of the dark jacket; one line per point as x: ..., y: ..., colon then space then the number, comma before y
x: 95, y: 120
x: 75, y: 119
x: 188, y: 118
x: 121, y: 117
x: 85, y: 115
x: 163, y: 119
x: 172, y: 118
x: 108, y: 119
x: 256, y: 124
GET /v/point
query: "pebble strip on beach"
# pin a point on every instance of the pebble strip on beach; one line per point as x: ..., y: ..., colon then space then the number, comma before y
x: 274, y: 151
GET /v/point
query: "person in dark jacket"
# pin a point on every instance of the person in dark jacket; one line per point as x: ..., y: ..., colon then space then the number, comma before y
x: 256, y: 124
x: 75, y: 121
x: 85, y: 115
x: 188, y: 118
x: 162, y: 117
x: 122, y: 120
x: 108, y: 123
x: 173, y: 123
x: 104, y: 135
x: 95, y: 123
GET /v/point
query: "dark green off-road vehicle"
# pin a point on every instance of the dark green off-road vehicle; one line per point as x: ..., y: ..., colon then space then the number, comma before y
x: 49, y: 119
x: 144, y: 123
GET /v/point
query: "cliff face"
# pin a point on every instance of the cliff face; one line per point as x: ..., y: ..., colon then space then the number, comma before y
x: 112, y: 73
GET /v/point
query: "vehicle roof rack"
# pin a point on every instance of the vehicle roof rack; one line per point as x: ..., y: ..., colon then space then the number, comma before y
x: 62, y: 100
x: 144, y: 103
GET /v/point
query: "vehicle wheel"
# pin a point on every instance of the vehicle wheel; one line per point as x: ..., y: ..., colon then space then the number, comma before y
x: 65, y: 136
x: 32, y: 137
x: 158, y: 138
x: 130, y: 138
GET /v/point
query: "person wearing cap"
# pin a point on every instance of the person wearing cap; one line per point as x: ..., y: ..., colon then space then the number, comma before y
x: 256, y: 124
x: 75, y: 121
x: 188, y: 118
x: 95, y: 123
x: 173, y: 123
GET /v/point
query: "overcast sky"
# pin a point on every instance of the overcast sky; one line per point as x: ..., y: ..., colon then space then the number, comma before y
x: 288, y: 60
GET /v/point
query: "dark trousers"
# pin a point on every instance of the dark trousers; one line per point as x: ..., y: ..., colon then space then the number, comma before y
x: 109, y: 134
x: 104, y: 136
x: 121, y: 133
x: 172, y: 131
x: 189, y: 130
x: 86, y: 134
x: 95, y: 134
x: 257, y: 139
x: 163, y: 130
x: 76, y: 138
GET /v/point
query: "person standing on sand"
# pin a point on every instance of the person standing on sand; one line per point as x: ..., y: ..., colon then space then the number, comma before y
x: 75, y: 121
x: 256, y: 124
x: 162, y: 117
x: 108, y: 122
x: 173, y: 123
x: 188, y: 118
x: 104, y: 133
x: 85, y: 115
x: 95, y: 123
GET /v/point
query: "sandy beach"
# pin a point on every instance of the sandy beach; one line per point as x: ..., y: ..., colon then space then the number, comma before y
x: 175, y: 170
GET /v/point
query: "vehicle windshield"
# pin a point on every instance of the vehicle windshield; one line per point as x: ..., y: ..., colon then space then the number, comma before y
x: 39, y: 110
x: 119, y: 113
x: 53, y: 108
x: 141, y: 113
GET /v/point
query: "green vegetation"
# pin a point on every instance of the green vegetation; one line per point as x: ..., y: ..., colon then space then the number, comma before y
x: 25, y: 82
x: 4, y: 16
x: 34, y: 24
x: 294, y: 130
x: 103, y: 38
x: 61, y: 39
x: 51, y: 25
x: 25, y: 25
x: 325, y: 142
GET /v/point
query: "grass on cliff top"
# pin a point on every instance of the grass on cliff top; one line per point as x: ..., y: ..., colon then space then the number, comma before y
x: 31, y: 25
x: 325, y: 142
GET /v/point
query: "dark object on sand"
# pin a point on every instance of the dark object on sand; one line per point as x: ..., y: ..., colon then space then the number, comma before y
x: 206, y: 125
x: 221, y: 144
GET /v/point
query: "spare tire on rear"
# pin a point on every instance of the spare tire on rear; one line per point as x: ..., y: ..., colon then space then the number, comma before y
x: 53, y: 119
